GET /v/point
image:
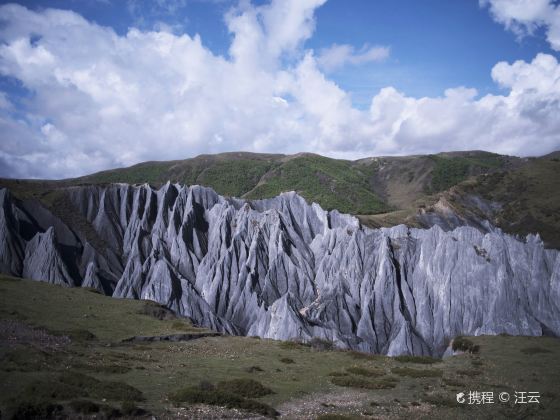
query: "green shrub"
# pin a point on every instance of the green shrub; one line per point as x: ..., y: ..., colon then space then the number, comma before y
x: 353, y: 382
x: 359, y: 355
x: 424, y: 360
x: 448, y: 171
x: 440, y: 400
x: 114, y: 369
x: 183, y: 325
x: 84, y: 406
x: 248, y: 388
x: 338, y: 374
x: 34, y: 409
x: 128, y: 408
x: 70, y: 385
x: 477, y: 362
x: 52, y: 390
x: 156, y: 310
x: 293, y: 345
x: 465, y: 345
x: 24, y: 360
x: 318, y: 344
x: 453, y: 382
x: 252, y: 369
x: 101, y: 389
x: 193, y: 395
x: 8, y: 278
x: 356, y: 370
x: 92, y: 290
x: 417, y: 373
x: 468, y: 372
x: 205, y: 385
x: 79, y: 335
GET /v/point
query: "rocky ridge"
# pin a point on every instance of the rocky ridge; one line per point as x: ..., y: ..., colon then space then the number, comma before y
x: 281, y: 268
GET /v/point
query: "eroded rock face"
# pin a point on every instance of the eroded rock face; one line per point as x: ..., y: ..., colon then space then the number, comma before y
x: 283, y: 269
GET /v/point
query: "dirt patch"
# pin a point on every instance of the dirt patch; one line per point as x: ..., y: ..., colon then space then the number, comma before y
x: 14, y: 333
x: 204, y: 412
x: 311, y: 406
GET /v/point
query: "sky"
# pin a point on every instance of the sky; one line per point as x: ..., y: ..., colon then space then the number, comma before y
x: 87, y: 85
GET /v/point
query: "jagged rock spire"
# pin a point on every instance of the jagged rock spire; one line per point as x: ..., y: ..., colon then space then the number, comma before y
x: 284, y: 269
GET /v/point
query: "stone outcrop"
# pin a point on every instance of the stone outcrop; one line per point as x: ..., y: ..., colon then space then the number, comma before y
x: 281, y: 268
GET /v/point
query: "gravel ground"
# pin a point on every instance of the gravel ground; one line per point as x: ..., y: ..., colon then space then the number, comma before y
x: 208, y: 412
x: 346, y: 401
x: 14, y: 332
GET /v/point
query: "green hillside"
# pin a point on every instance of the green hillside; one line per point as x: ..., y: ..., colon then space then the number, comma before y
x: 62, y: 355
x: 367, y: 186
x: 382, y: 191
x: 450, y: 170
x: 231, y: 174
x: 529, y: 196
x: 334, y: 184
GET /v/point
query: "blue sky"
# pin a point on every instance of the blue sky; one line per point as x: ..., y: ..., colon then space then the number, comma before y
x: 434, y: 44
x: 348, y: 79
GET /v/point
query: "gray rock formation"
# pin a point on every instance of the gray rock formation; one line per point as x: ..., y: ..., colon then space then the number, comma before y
x: 283, y: 269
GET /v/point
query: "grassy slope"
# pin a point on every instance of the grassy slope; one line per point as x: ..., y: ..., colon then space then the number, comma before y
x: 230, y: 174
x: 335, y: 184
x: 384, y: 191
x: 368, y: 186
x: 159, y: 369
x: 450, y: 170
x: 530, y: 195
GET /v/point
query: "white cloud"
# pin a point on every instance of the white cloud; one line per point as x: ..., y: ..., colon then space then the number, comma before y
x: 101, y: 100
x: 522, y: 122
x: 339, y: 55
x: 525, y: 16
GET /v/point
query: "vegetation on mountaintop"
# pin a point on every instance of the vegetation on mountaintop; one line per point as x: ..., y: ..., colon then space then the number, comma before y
x: 360, y: 187
x: 529, y: 198
x: 384, y: 191
x: 451, y: 170
x: 334, y: 184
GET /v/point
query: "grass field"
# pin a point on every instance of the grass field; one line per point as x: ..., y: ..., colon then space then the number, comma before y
x: 334, y: 184
x: 62, y: 351
x: 451, y: 170
x: 530, y: 197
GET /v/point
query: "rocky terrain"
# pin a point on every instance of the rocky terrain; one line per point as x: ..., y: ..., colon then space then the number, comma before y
x: 285, y: 269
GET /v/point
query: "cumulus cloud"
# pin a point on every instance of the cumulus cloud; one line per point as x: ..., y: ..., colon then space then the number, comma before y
x: 525, y: 16
x: 339, y: 55
x: 522, y: 122
x: 99, y: 100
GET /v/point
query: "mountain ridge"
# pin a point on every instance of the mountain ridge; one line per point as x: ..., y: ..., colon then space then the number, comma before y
x: 381, y: 191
